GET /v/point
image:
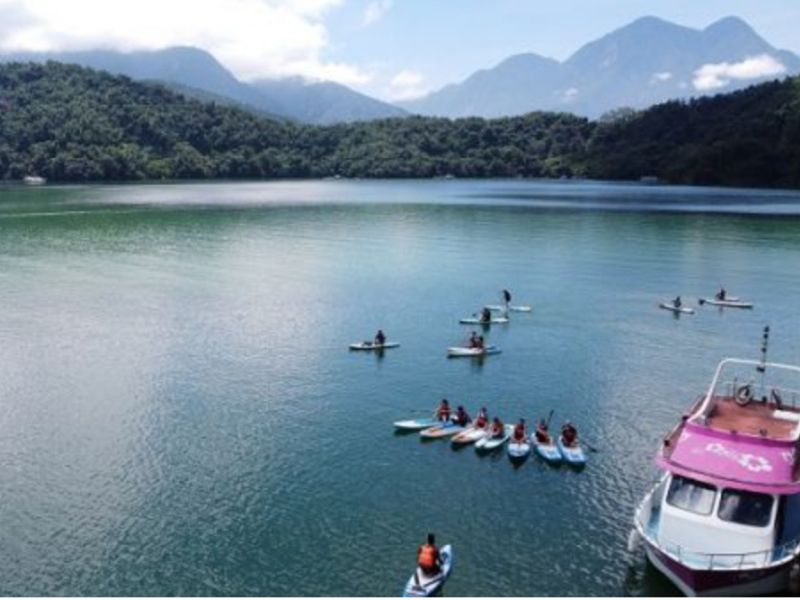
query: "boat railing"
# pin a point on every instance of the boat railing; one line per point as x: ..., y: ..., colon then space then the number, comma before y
x: 789, y: 397
x: 714, y: 561
x: 718, y: 382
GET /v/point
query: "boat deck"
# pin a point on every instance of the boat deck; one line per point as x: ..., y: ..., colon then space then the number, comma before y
x: 764, y: 420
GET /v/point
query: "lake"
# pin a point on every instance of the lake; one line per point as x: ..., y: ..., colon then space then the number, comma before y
x: 181, y: 415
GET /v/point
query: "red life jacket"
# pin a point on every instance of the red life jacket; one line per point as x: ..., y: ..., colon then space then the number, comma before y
x: 427, y: 557
x: 443, y: 413
x: 480, y: 422
x: 519, y: 432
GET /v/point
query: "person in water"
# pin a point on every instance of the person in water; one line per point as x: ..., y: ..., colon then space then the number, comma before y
x: 542, y: 434
x: 428, y: 559
x: 721, y: 293
x: 486, y: 315
x: 473, y: 340
x: 461, y: 418
x: 498, y: 429
x: 482, y: 420
x: 569, y: 434
x: 519, y: 431
x: 677, y: 302
x: 380, y: 338
x: 443, y: 412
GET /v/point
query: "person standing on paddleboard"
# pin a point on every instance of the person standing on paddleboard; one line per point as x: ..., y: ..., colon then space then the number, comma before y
x: 506, y: 300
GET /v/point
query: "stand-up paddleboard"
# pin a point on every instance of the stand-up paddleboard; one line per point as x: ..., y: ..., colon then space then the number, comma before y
x: 547, y: 451
x: 422, y: 586
x: 459, y: 352
x: 511, y: 308
x: 440, y: 431
x: 518, y: 450
x: 727, y: 303
x: 487, y: 444
x: 415, y: 424
x: 469, y: 436
x: 479, y: 321
x: 571, y: 454
x: 676, y: 309
x: 373, y: 346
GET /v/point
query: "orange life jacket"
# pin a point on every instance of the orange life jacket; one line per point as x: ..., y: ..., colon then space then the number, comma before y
x: 427, y: 557
x: 443, y: 413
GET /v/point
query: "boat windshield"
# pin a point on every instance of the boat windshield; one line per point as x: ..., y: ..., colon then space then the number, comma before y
x: 691, y: 495
x: 745, y: 508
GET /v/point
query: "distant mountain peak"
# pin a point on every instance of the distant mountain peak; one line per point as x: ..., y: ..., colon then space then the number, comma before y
x: 728, y: 25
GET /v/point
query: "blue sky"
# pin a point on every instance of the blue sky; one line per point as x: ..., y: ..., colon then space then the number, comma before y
x: 391, y: 49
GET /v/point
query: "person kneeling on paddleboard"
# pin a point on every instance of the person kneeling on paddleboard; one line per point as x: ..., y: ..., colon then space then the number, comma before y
x: 542, y: 435
x: 486, y: 315
x: 461, y: 418
x: 380, y: 338
x: 482, y: 419
x: 721, y: 294
x: 677, y: 302
x: 473, y: 340
x: 498, y: 429
x: 519, y: 431
x: 428, y: 559
x: 569, y: 434
x: 481, y: 343
x: 443, y: 412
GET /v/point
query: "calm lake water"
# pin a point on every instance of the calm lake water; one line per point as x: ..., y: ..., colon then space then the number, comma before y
x: 180, y: 414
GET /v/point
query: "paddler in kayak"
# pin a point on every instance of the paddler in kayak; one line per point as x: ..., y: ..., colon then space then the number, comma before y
x: 443, y: 412
x: 569, y: 434
x: 520, y: 433
x: 428, y: 559
x: 461, y: 418
x: 498, y: 430
x: 380, y: 338
x: 542, y: 433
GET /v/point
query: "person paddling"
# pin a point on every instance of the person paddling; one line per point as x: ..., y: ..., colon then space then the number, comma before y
x: 520, y: 432
x: 498, y: 429
x: 569, y: 434
x: 473, y: 340
x: 542, y: 433
x: 461, y: 418
x: 486, y: 315
x: 380, y: 338
x: 428, y: 559
x: 721, y: 293
x: 677, y: 302
x: 443, y: 412
x: 506, y: 300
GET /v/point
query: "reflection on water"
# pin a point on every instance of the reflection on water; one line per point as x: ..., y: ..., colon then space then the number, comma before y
x: 182, y: 415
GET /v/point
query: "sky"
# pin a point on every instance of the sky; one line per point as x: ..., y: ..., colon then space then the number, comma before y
x: 390, y: 49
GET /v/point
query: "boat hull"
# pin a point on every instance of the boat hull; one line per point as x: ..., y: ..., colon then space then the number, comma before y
x: 704, y: 582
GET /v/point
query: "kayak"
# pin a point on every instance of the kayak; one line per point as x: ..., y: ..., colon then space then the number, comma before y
x: 479, y: 321
x: 487, y: 444
x: 459, y: 352
x: 571, y: 454
x: 440, y: 431
x: 729, y: 303
x: 676, y: 309
x: 519, y: 449
x: 548, y: 452
x: 468, y: 436
x: 422, y: 586
x: 373, y: 346
x: 512, y: 308
x: 415, y: 424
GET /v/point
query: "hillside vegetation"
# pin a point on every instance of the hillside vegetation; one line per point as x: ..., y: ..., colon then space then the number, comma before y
x: 68, y: 123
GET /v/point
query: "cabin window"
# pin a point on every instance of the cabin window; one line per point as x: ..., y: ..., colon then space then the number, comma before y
x: 745, y: 508
x: 691, y: 495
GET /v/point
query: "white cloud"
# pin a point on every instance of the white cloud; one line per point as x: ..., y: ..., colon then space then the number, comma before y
x: 713, y: 76
x: 570, y: 95
x: 662, y: 77
x: 253, y: 38
x: 406, y: 85
x: 375, y: 10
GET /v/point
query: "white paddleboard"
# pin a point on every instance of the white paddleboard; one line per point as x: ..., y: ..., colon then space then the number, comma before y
x: 468, y: 436
x: 415, y: 424
x: 511, y: 308
x: 460, y: 352
x: 518, y: 449
x: 489, y: 443
x: 373, y: 346
x: 572, y: 454
x: 422, y: 586
x: 478, y: 321
x: 440, y: 431
x: 728, y: 303
x: 676, y: 309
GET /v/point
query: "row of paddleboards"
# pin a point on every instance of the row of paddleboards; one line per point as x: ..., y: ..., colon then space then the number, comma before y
x: 553, y: 452
x: 729, y: 302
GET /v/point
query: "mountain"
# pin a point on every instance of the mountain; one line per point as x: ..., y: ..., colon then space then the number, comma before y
x: 68, y: 123
x: 198, y: 74
x: 644, y: 63
x: 324, y: 102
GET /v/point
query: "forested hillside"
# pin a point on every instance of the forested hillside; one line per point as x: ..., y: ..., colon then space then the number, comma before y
x: 68, y: 123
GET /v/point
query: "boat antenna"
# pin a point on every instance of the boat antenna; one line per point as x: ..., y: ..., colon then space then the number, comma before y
x: 764, y: 345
